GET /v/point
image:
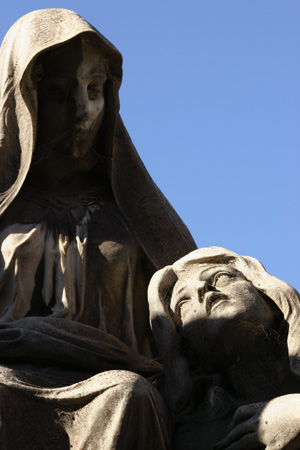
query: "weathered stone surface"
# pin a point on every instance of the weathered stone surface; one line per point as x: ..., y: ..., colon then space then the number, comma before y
x: 228, y: 333
x: 82, y: 229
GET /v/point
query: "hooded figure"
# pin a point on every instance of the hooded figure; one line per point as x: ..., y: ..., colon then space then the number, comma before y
x: 75, y: 264
x: 215, y: 310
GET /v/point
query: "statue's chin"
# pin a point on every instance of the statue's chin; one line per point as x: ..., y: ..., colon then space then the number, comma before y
x: 76, y: 147
x: 86, y: 162
x: 83, y: 159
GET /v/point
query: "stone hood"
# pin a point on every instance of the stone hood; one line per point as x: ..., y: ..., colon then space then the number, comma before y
x: 156, y: 225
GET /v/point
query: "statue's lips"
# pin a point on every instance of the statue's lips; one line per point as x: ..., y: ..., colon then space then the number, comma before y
x: 78, y: 135
x: 75, y: 143
x: 212, y: 299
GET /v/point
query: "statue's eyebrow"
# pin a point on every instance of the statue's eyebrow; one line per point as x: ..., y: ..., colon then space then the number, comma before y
x: 95, y: 71
x: 59, y: 76
x: 211, y: 269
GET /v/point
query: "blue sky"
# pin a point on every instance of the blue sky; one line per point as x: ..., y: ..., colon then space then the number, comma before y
x: 211, y: 99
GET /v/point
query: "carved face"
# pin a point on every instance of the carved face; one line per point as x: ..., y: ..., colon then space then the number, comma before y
x: 71, y: 101
x: 215, y: 303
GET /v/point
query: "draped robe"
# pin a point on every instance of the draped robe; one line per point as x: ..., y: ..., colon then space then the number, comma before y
x: 76, y: 348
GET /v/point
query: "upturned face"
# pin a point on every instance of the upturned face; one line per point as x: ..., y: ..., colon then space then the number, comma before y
x: 71, y: 102
x: 215, y: 303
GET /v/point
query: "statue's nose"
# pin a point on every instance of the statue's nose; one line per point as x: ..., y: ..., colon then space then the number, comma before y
x: 202, y: 287
x: 82, y: 106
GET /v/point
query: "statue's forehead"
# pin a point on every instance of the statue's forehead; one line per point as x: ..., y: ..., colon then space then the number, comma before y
x: 93, y: 59
x: 67, y: 59
x: 198, y: 269
x: 202, y: 272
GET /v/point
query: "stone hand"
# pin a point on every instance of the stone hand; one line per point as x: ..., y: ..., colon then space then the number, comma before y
x: 268, y: 425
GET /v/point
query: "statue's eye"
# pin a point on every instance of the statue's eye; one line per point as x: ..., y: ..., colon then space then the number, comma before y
x: 58, y: 91
x: 95, y: 91
x: 221, y: 278
x: 181, y: 305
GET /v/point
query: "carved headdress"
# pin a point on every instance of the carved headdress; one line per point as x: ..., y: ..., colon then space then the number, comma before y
x: 158, y: 228
x: 282, y: 294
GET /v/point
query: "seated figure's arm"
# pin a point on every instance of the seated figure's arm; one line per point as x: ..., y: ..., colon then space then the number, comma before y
x: 272, y: 425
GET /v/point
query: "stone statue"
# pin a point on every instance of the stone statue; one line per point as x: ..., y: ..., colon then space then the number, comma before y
x: 82, y: 229
x: 228, y: 333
